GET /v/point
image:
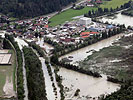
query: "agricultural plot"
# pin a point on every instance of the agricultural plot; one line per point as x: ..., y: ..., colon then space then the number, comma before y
x: 7, y: 75
x: 70, y: 13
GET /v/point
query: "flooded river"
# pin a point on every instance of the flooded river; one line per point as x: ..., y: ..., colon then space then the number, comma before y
x: 82, y: 53
x: 48, y: 82
x: 88, y: 85
x: 120, y: 19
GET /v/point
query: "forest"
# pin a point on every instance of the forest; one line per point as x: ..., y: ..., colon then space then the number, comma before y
x: 31, y: 8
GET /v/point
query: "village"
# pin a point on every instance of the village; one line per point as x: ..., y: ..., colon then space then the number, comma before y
x: 73, y: 32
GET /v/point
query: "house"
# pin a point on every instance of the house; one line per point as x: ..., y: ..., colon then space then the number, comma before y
x: 90, y: 5
x: 67, y: 40
x: 99, y: 2
x: 110, y: 26
x: 87, y: 34
x: 96, y: 29
x: 46, y: 26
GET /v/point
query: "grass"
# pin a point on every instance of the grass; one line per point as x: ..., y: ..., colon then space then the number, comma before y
x: 7, y: 71
x: 99, y: 61
x: 111, y: 51
x: 122, y: 75
x: 113, y: 3
x: 13, y: 19
x: 70, y: 13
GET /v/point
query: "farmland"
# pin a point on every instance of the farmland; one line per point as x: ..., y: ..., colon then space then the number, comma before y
x: 7, y: 76
x: 70, y: 13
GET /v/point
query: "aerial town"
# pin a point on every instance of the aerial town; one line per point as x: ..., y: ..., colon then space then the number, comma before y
x: 79, y: 50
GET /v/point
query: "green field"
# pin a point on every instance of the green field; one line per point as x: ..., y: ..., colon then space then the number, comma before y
x: 113, y: 3
x: 7, y: 71
x: 70, y: 13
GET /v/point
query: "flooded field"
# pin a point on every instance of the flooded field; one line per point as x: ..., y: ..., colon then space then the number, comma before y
x: 89, y: 86
x: 119, y: 19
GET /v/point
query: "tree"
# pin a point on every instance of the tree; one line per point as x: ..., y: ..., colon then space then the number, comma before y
x: 100, y: 10
x: 36, y: 34
x: 89, y: 13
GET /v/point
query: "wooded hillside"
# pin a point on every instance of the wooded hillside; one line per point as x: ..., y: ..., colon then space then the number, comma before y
x: 31, y: 8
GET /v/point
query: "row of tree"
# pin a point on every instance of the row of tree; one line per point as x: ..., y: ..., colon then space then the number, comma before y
x: 54, y: 59
x: 20, y: 80
x: 129, y: 11
x: 37, y: 48
x: 103, y: 11
x: 125, y: 92
x: 59, y: 82
x: 34, y: 73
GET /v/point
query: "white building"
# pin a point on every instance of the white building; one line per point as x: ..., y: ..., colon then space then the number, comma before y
x: 2, y: 34
x: 85, y: 21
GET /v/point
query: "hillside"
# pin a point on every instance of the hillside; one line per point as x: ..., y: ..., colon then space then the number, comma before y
x: 31, y: 8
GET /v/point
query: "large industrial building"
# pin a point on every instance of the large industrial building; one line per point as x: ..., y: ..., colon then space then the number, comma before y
x: 85, y: 21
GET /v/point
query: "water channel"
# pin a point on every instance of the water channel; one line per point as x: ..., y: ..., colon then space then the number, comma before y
x: 48, y: 82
